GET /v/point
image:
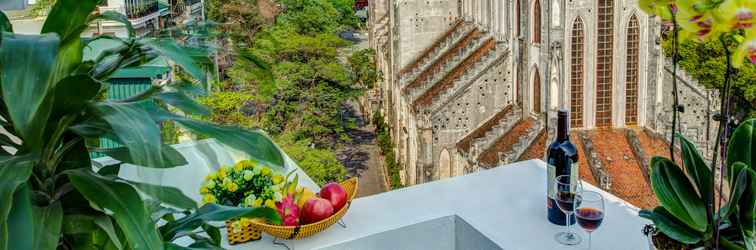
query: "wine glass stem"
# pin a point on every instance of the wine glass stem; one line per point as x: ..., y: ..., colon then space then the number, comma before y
x: 589, y: 240
x: 567, y: 222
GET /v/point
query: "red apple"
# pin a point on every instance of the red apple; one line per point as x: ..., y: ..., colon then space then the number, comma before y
x: 316, y: 209
x: 334, y: 193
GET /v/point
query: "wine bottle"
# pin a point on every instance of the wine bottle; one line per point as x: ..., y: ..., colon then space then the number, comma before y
x: 562, y: 159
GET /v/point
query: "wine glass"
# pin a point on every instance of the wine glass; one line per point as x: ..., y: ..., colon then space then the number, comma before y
x: 590, y: 212
x: 567, y: 197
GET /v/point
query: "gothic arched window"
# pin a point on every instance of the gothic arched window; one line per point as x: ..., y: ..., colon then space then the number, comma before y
x: 537, y: 92
x: 517, y: 18
x: 604, y: 63
x: 576, y: 73
x: 633, y: 55
x: 537, y: 22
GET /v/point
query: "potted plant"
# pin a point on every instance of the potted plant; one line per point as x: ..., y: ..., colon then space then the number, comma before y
x: 51, y: 104
x: 683, y: 218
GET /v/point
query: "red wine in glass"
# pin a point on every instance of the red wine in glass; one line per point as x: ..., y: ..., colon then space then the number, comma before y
x: 566, y: 201
x: 589, y: 218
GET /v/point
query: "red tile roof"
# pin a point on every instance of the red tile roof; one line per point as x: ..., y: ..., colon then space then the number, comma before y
x: 490, y: 157
x: 465, y: 144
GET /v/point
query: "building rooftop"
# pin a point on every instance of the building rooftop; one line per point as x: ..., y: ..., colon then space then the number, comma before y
x: 499, y: 208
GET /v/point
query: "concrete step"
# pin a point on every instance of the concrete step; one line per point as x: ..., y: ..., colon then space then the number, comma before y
x: 439, y: 50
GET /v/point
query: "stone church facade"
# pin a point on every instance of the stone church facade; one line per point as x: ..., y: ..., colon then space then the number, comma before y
x: 472, y: 84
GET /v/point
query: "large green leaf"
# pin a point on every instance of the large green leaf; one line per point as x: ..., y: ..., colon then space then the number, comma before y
x: 14, y: 171
x: 736, y: 189
x: 134, y: 128
x: 68, y: 17
x: 255, y: 143
x: 47, y: 226
x: 671, y: 226
x: 745, y: 212
x: 5, y: 24
x: 19, y: 227
x: 171, y: 157
x: 26, y: 69
x: 184, y: 103
x: 168, y: 195
x: 181, y: 56
x: 676, y: 194
x: 124, y: 202
x: 106, y: 225
x: 73, y: 92
x: 214, y: 212
x: 696, y: 168
x: 742, y: 146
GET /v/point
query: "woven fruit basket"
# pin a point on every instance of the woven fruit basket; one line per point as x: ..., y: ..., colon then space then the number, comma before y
x: 253, y: 229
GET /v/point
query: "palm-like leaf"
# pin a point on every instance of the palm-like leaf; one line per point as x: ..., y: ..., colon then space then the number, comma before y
x: 696, y: 168
x: 124, y: 202
x: 676, y: 194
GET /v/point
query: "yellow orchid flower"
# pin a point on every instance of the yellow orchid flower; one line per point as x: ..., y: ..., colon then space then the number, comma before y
x: 661, y: 8
x: 737, y: 14
x: 696, y: 20
x: 747, y: 49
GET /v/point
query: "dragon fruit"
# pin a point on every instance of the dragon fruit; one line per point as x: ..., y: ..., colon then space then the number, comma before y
x: 288, y: 210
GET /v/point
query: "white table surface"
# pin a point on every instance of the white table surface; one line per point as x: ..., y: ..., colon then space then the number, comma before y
x: 506, y: 204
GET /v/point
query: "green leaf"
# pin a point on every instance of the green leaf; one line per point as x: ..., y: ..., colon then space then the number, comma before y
x: 73, y: 92
x: 47, y: 226
x: 255, y: 143
x: 20, y: 226
x: 78, y: 224
x: 169, y: 195
x: 696, y: 168
x: 736, y: 189
x: 68, y: 18
x: 115, y: 17
x: 676, y: 194
x: 168, y: 48
x: 127, y: 207
x: 214, y: 212
x: 106, y: 225
x: 134, y: 128
x: 5, y: 24
x: 26, y: 64
x: 171, y: 157
x: 742, y: 147
x: 14, y: 171
x: 671, y: 226
x: 184, y: 103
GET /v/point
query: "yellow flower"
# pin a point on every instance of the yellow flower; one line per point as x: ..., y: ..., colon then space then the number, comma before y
x: 211, y: 176
x: 270, y: 204
x: 210, y: 184
x: 236, y: 227
x: 258, y: 202
x: 208, y: 198
x: 238, y: 168
x: 204, y: 190
x: 222, y: 172
x: 277, y: 179
x: 248, y: 175
x: 266, y: 171
x: 233, y: 187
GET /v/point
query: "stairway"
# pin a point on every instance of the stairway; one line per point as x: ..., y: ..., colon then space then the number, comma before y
x: 485, y: 142
x: 433, y: 52
x: 523, y: 143
x: 452, y: 58
x: 510, y: 145
x: 462, y: 75
x: 490, y: 58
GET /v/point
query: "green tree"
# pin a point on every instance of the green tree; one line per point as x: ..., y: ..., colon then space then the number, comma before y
x: 363, y: 67
x: 706, y: 61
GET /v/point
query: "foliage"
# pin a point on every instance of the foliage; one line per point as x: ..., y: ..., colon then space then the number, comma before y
x: 363, y: 67
x: 52, y: 197
x: 320, y: 164
x: 229, y: 107
x: 705, y: 20
x: 706, y: 61
x: 387, y: 149
x: 40, y: 8
x: 683, y: 214
x: 239, y: 19
x: 312, y: 17
x: 245, y: 184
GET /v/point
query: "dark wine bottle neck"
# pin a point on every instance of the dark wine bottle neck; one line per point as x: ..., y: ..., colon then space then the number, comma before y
x: 563, y: 129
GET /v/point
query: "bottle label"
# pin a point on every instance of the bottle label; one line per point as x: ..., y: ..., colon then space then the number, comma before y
x: 551, y: 188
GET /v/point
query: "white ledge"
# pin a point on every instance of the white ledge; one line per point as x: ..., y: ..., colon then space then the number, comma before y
x: 506, y: 204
